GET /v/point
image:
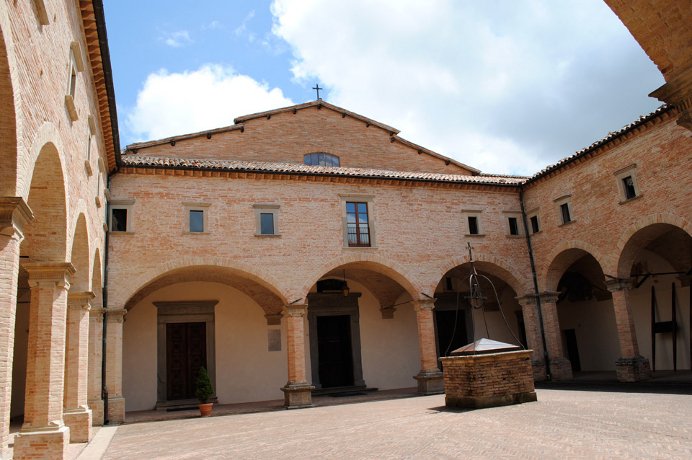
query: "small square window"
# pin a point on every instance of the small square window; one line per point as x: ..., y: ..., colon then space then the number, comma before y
x: 196, y: 221
x: 119, y: 220
x: 120, y: 217
x: 473, y: 225
x: 513, y: 226
x: 266, y: 219
x: 564, y: 210
x: 196, y: 217
x: 535, y: 226
x: 266, y: 223
x: 473, y: 222
x: 628, y: 185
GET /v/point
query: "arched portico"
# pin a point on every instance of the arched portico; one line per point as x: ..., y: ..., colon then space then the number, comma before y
x: 214, y: 316
x: 653, y: 289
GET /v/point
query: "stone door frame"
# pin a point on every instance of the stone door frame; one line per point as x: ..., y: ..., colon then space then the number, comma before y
x: 320, y: 304
x: 187, y: 311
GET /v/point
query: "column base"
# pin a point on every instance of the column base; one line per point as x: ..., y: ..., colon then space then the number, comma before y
x: 430, y: 382
x: 50, y: 443
x: 538, y: 368
x: 560, y: 369
x: 632, y: 369
x: 79, y: 422
x: 116, y: 410
x: 96, y: 406
x: 297, y: 395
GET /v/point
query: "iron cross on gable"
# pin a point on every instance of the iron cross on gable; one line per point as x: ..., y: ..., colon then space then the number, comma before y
x: 317, y: 87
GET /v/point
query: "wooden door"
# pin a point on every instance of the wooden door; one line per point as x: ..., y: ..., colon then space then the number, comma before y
x: 334, y: 351
x: 186, y: 352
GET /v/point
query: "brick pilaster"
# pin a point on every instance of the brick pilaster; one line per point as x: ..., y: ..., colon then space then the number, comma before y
x: 114, y: 365
x: 560, y: 367
x: 94, y: 400
x: 297, y: 389
x: 532, y: 325
x: 76, y: 413
x: 14, y: 214
x: 44, y: 431
x: 430, y: 378
x: 631, y: 366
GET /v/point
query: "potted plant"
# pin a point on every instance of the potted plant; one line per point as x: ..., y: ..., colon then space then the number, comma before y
x: 204, y: 391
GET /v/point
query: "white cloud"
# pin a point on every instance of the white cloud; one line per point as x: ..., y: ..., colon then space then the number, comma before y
x: 171, y: 104
x: 212, y: 25
x: 503, y: 86
x: 242, y: 30
x: 176, y: 39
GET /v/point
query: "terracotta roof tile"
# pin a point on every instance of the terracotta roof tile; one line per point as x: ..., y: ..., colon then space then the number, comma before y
x: 138, y: 161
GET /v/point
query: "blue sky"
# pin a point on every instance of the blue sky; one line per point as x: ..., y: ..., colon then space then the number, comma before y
x: 502, y: 86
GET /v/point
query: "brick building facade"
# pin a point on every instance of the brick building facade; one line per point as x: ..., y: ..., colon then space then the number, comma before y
x: 310, y: 246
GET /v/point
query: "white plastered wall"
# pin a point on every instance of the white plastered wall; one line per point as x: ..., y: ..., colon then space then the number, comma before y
x: 245, y: 369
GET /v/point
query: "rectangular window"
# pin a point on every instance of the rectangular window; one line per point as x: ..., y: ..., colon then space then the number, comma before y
x: 564, y: 210
x: 473, y: 225
x: 628, y: 187
x: 196, y: 221
x: 534, y: 224
x: 266, y: 223
x: 118, y: 220
x: 357, y: 224
x: 513, y: 226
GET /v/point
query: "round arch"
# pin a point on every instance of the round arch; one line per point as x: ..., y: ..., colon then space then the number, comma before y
x: 488, y: 263
x: 374, y: 262
x: 251, y: 272
x: 10, y: 102
x: 642, y: 232
x: 561, y: 257
x: 80, y: 256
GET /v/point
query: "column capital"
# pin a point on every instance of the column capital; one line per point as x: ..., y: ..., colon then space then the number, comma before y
x: 116, y: 315
x: 618, y: 284
x: 274, y: 319
x: 526, y: 299
x: 424, y: 304
x: 49, y: 273
x: 530, y: 299
x: 14, y: 214
x: 549, y: 296
x: 96, y: 314
x: 79, y: 300
x: 296, y: 309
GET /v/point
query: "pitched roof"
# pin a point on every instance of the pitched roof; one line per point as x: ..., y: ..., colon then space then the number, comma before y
x: 139, y: 161
x: 319, y: 103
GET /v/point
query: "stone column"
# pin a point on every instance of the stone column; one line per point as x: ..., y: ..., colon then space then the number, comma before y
x: 76, y: 413
x: 430, y: 378
x: 114, y: 365
x: 14, y: 214
x: 533, y: 335
x: 297, y: 391
x: 94, y: 385
x: 44, y: 434
x: 560, y: 367
x: 631, y: 367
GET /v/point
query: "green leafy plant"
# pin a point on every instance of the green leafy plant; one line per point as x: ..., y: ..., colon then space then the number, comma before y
x: 205, y: 390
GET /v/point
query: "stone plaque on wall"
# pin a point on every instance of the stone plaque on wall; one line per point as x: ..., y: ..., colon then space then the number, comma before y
x: 274, y: 339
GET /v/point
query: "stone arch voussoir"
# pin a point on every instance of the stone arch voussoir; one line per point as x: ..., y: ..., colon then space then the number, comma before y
x: 253, y: 272
x: 622, y: 255
x: 507, y: 272
x: 549, y: 275
x: 390, y: 268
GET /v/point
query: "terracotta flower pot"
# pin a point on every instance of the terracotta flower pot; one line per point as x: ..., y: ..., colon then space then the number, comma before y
x: 205, y: 409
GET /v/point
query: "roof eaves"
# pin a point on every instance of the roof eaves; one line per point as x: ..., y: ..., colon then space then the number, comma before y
x: 598, y: 144
x: 143, y: 145
x: 436, y: 155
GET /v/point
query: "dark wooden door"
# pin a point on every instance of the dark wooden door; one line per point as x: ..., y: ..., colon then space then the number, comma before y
x: 334, y: 351
x: 186, y: 352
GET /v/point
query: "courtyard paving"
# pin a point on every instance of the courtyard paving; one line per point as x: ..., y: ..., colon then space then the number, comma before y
x: 570, y: 421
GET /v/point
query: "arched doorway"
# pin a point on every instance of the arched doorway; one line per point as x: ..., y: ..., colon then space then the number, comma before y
x: 362, y: 329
